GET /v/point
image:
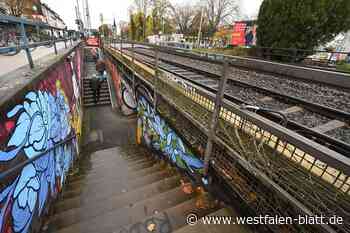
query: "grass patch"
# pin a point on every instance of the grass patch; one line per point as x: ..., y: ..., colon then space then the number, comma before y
x: 344, y: 67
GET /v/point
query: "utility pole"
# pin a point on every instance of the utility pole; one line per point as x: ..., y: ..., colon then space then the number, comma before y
x: 80, y: 23
x: 88, y: 19
x: 84, y: 14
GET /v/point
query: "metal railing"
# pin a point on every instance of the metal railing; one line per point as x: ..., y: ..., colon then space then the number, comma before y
x: 22, y: 42
x: 272, y: 169
x: 17, y: 168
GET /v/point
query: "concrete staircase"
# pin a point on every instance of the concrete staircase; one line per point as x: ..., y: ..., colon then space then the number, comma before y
x: 88, y: 96
x: 127, y: 189
x: 120, y: 187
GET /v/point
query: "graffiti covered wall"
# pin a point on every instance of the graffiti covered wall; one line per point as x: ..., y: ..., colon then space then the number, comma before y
x: 153, y: 131
x: 34, y: 123
x: 116, y: 78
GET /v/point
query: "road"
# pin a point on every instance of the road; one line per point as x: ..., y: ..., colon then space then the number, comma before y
x: 11, y: 63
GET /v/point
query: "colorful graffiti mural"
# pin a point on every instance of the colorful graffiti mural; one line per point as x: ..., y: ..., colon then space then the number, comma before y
x: 155, y: 133
x: 116, y: 77
x: 42, y: 118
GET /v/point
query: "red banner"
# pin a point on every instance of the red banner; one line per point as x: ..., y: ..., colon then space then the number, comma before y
x: 238, y: 35
x: 92, y: 41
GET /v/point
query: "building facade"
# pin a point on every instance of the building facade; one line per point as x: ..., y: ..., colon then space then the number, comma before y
x: 36, y: 11
x: 3, y: 7
x: 51, y: 17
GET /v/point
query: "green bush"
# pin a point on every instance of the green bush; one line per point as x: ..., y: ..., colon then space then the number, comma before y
x: 301, y: 24
x: 345, y: 67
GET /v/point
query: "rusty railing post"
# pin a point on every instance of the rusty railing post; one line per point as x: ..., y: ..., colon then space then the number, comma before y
x: 155, y: 78
x: 54, y: 41
x: 70, y: 38
x: 38, y: 33
x: 133, y: 68
x: 26, y: 48
x: 121, y: 45
x: 65, y: 39
x: 215, y: 117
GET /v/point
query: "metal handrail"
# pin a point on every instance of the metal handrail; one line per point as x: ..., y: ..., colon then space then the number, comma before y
x: 34, y: 45
x: 320, y: 152
x: 19, y: 166
x: 21, y: 22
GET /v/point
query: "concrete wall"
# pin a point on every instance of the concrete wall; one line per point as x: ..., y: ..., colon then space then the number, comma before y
x: 116, y: 82
x: 3, y: 6
x: 46, y: 112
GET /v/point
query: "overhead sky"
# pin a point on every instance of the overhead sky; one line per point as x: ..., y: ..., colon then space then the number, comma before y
x: 119, y: 9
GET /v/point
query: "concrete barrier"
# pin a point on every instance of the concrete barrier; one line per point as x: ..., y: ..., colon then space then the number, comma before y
x: 40, y: 128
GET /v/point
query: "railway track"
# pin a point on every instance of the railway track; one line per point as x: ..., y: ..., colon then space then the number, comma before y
x: 317, y: 118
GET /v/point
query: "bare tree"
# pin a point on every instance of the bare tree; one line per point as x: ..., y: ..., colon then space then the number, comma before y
x: 16, y: 7
x: 183, y: 17
x: 161, y: 9
x: 220, y: 11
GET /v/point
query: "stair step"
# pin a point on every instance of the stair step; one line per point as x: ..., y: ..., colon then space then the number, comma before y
x: 118, y: 153
x: 110, y: 173
x: 101, y: 99
x: 97, y: 104
x: 91, y: 95
x: 87, y: 86
x: 168, y: 220
x: 125, y: 166
x: 90, y: 92
x: 84, y: 190
x: 86, y: 82
x: 126, y: 199
x: 129, y: 214
x: 200, y: 227
x: 108, y: 191
x: 95, y: 162
x: 83, y: 175
x: 112, y: 164
x: 76, y: 181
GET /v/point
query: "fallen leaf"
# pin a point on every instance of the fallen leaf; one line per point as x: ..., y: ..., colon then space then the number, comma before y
x: 151, y: 227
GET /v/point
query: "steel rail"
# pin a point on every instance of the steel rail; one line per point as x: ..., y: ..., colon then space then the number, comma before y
x: 236, y: 60
x: 314, y: 107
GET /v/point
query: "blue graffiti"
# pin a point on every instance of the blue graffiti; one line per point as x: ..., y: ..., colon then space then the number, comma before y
x: 160, y: 136
x: 42, y: 120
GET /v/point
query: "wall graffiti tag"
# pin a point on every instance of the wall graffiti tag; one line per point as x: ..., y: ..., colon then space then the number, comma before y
x: 155, y: 133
